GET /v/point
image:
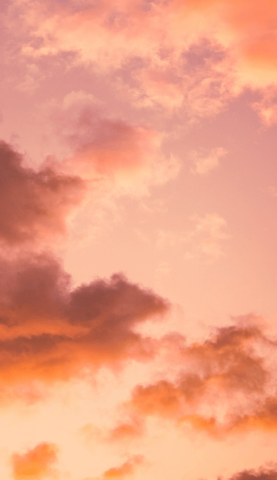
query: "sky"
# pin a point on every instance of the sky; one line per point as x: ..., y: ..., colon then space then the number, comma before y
x: 138, y: 232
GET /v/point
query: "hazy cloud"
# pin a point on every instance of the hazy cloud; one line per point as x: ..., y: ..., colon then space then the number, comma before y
x: 36, y: 463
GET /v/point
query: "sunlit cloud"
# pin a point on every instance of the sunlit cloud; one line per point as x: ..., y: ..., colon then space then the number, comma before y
x: 35, y: 463
x: 89, y: 326
x: 137, y: 185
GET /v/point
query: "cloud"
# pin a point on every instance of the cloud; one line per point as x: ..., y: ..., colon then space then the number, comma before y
x: 193, y: 55
x: 207, y: 236
x: 34, y: 204
x: 140, y: 42
x: 204, y: 164
x: 261, y: 416
x: 127, y: 431
x: 128, y: 157
x: 246, y: 31
x: 263, y: 473
x: 267, y: 107
x: 124, y: 470
x: 36, y: 463
x: 108, y: 156
x: 50, y: 332
x: 223, y: 385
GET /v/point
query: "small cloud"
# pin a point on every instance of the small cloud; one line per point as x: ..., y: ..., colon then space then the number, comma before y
x: 204, y: 163
x: 50, y: 331
x: 207, y: 236
x: 267, y: 107
x: 123, y: 471
x: 126, y: 158
x: 35, y: 464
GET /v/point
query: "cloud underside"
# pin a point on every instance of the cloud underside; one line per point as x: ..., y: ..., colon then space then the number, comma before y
x: 50, y: 332
x: 224, y: 386
x: 108, y: 157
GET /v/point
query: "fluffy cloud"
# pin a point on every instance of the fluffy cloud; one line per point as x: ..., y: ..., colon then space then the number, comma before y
x: 231, y: 371
x: 128, y: 157
x: 260, y: 474
x: 124, y: 470
x: 35, y: 464
x: 34, y: 205
x: 49, y: 331
x: 108, y: 156
x: 153, y: 42
x: 126, y: 431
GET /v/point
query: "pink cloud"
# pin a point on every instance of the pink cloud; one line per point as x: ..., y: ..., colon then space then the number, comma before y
x: 50, y: 332
x: 129, y: 157
x: 160, y: 34
x: 116, y: 150
x: 223, y: 386
x: 34, y: 204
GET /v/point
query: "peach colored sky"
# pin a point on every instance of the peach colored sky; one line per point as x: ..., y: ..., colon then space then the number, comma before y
x: 138, y: 232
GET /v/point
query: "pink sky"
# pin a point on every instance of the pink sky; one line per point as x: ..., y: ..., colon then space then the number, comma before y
x: 138, y: 232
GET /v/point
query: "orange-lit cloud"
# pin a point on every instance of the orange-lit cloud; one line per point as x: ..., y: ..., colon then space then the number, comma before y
x: 128, y: 157
x: 127, y: 431
x: 124, y: 470
x: 107, y: 98
x: 160, y: 34
x: 109, y: 155
x: 35, y: 464
x: 214, y: 379
x: 50, y: 332
x: 261, y: 416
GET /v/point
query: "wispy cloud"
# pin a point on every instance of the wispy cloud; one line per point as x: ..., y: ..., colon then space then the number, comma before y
x: 207, y: 237
x: 206, y: 162
x: 161, y: 35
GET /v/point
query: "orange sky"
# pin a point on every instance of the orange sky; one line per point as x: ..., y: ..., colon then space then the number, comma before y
x: 138, y: 197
